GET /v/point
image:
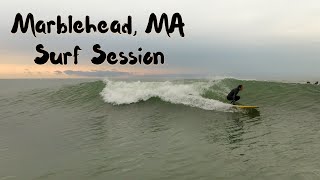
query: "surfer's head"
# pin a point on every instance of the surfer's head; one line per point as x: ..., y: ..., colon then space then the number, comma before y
x: 240, y: 87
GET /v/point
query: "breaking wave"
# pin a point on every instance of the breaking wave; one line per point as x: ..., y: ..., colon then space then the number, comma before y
x: 190, y: 94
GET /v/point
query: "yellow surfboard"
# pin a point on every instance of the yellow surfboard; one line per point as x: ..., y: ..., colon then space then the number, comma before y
x: 245, y: 107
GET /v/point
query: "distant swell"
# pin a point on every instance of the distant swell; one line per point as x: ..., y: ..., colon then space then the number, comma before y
x: 190, y: 94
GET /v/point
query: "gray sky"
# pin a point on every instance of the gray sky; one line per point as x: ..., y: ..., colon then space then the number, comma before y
x: 247, y: 38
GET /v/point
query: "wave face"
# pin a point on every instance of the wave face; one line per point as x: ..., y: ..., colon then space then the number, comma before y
x: 186, y: 93
x: 211, y: 94
x: 202, y: 94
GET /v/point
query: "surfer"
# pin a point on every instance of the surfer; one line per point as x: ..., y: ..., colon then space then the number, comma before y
x: 232, y: 96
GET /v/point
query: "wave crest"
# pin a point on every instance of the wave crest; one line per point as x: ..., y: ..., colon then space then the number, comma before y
x: 190, y: 94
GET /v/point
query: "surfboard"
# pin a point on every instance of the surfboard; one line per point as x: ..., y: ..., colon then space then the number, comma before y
x: 245, y: 107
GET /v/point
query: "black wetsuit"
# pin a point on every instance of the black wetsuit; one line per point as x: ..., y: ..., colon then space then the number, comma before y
x: 232, y: 96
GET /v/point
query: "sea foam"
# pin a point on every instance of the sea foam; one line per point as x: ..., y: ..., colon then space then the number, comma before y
x: 123, y: 92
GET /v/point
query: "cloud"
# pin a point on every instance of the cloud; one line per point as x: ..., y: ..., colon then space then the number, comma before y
x: 117, y: 74
x: 241, y: 38
x: 27, y: 71
x: 180, y: 75
x: 97, y: 73
x: 31, y: 73
x: 58, y: 72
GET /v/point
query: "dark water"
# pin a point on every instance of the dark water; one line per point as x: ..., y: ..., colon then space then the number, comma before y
x: 71, y: 129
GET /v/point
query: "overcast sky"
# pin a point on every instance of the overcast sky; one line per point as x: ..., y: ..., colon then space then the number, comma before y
x: 248, y: 38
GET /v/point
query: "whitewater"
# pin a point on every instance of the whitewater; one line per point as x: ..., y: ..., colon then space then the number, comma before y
x: 122, y: 92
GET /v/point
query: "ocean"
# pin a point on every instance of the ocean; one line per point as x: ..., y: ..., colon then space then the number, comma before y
x: 143, y: 130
